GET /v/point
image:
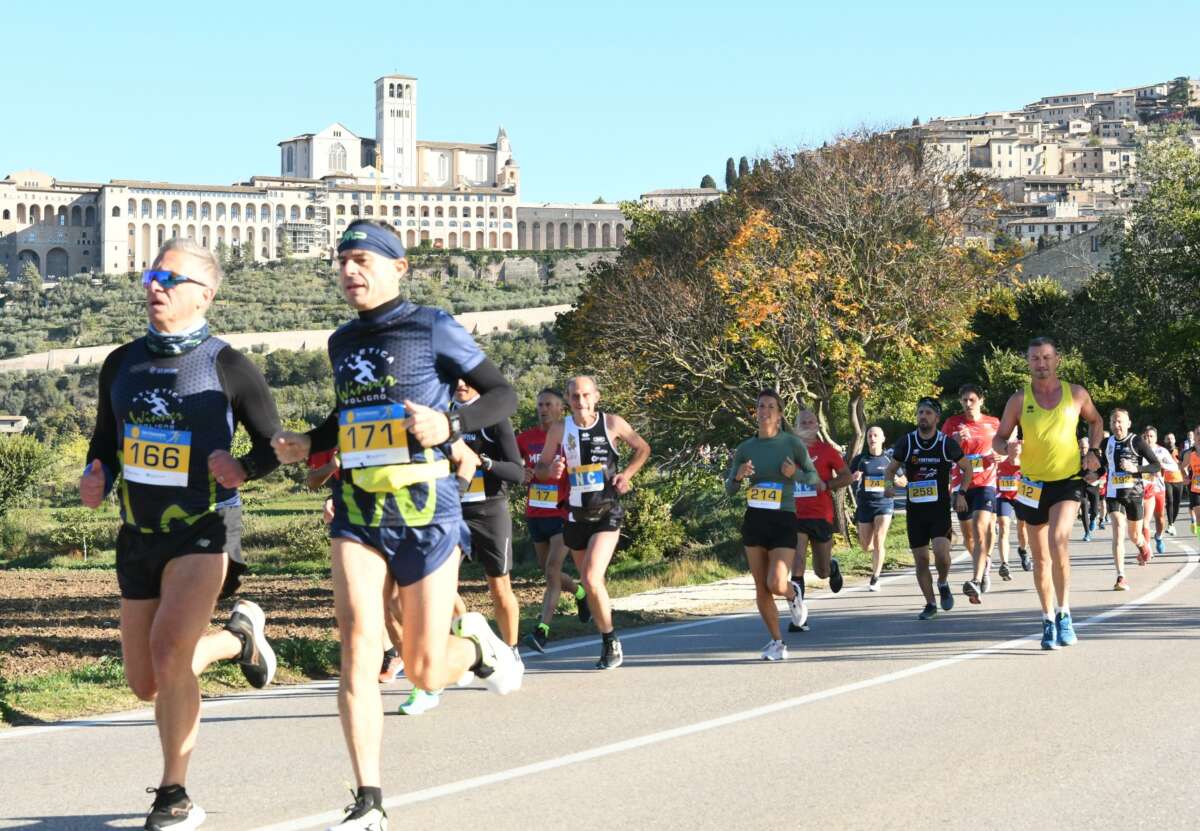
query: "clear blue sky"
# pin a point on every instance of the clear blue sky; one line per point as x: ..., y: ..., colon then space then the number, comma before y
x: 599, y: 99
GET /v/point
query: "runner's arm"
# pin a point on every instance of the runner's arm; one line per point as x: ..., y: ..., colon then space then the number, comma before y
x: 806, y: 471
x: 253, y: 407
x: 1008, y: 423
x: 497, y: 399
x: 620, y: 428
x: 731, y: 481
x: 324, y: 435
x: 841, y: 476
x: 1152, y: 464
x: 1089, y: 413
x: 509, y: 467
x: 544, y: 469
x: 103, y: 445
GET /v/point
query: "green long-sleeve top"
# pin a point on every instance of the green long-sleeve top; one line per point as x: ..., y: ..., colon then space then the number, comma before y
x: 768, y: 486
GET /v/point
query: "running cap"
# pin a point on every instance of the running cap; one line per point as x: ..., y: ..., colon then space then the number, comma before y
x: 931, y: 403
x: 366, y: 236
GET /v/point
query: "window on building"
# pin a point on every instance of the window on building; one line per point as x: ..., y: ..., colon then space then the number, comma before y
x: 337, y: 157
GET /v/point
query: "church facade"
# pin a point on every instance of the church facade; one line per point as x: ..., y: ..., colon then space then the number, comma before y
x: 446, y: 195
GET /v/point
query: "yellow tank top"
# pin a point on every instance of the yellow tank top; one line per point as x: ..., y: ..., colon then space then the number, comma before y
x: 1051, y: 451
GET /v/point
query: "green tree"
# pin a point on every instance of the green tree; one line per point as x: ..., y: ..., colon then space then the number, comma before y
x: 222, y: 253
x: 743, y: 167
x: 730, y: 174
x: 23, y: 460
x: 708, y: 182
x: 599, y: 200
x: 1178, y: 95
x: 284, y: 248
x: 31, y: 276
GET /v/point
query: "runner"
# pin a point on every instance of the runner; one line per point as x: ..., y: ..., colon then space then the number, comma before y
x: 975, y: 493
x: 1174, y: 480
x: 773, y: 464
x: 396, y: 508
x: 1048, y: 411
x: 814, y: 508
x: 1102, y: 485
x: 545, y: 513
x: 1191, y: 468
x: 1123, y: 454
x: 927, y: 457
x: 1155, y: 493
x: 1008, y: 474
x: 168, y: 405
x: 1089, y: 507
x: 589, y: 437
x: 873, y: 512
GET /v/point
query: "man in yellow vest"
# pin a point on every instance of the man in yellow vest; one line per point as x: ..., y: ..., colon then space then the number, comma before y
x: 1048, y: 412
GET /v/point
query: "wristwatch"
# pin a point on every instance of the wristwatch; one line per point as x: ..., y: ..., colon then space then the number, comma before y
x: 486, y: 462
x: 455, y: 421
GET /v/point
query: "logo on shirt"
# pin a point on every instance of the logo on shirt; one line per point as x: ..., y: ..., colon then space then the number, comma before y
x: 158, y: 407
x: 364, y: 375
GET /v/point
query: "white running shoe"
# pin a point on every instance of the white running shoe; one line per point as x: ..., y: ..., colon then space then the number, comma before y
x: 504, y: 670
x: 873, y: 585
x: 796, y: 605
x: 775, y: 651
x: 359, y: 817
x: 466, y: 680
x: 257, y: 660
x: 420, y: 702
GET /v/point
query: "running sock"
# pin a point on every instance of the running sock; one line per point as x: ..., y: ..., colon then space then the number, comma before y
x: 609, y: 637
x: 544, y: 628
x: 170, y: 793
x: 1065, y: 610
x: 1047, y: 618
x: 580, y: 594
x: 375, y: 795
x: 943, y: 584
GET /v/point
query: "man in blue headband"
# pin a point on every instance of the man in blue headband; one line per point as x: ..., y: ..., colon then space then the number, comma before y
x: 397, y: 518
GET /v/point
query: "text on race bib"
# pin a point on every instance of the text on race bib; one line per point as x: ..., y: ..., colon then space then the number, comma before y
x: 926, y: 491
x: 803, y: 490
x: 1007, y: 484
x: 370, y: 436
x: 475, y: 491
x: 1029, y: 492
x: 154, y: 456
x: 1123, y: 480
x: 873, y: 484
x: 586, y: 478
x: 976, y: 460
x: 768, y: 495
x: 542, y: 495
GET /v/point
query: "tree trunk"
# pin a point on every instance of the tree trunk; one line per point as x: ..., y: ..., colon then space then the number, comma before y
x: 858, y: 423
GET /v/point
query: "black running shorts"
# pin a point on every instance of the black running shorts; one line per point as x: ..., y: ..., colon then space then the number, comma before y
x: 577, y: 533
x: 1134, y: 509
x: 926, y: 524
x: 141, y: 558
x: 817, y: 530
x: 491, y: 535
x: 1060, y: 490
x: 766, y: 528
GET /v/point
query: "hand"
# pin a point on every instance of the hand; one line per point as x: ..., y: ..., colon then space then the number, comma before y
x: 327, y: 511
x: 528, y: 475
x: 1091, y: 462
x: 820, y: 487
x: 428, y: 426
x: 963, y: 435
x: 291, y: 447
x: 1129, y: 466
x: 227, y: 470
x: 889, y: 490
x: 745, y: 471
x: 856, y: 477
x: 558, y: 467
x: 901, y: 480
x: 621, y: 483
x: 788, y: 468
x: 91, y: 485
x: 1013, y: 447
x: 960, y: 499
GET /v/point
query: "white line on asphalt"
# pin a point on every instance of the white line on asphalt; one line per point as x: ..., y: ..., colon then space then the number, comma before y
x: 474, y: 782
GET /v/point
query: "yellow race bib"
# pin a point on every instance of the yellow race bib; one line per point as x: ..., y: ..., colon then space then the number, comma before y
x: 922, y: 492
x: 154, y: 456
x: 372, y: 436
x: 1029, y: 492
x: 475, y: 492
x: 542, y: 495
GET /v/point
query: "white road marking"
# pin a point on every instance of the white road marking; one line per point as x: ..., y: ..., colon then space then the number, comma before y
x: 451, y: 788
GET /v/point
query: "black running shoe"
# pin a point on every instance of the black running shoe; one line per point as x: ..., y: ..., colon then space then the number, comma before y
x: 947, y: 597
x: 835, y: 576
x: 582, y: 608
x: 173, y: 811
x: 611, y: 655
x: 536, y: 640
x: 792, y: 627
x: 1026, y: 562
x: 363, y: 815
x: 929, y: 613
x: 248, y: 622
x: 1004, y: 572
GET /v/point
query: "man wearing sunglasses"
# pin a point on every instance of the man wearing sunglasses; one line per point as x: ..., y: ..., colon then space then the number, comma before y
x: 397, y: 516
x: 168, y: 406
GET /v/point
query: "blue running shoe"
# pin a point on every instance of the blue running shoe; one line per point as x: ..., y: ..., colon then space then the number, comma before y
x: 1087, y: 536
x: 1158, y: 545
x: 947, y: 597
x: 1066, y: 632
x: 1049, y: 636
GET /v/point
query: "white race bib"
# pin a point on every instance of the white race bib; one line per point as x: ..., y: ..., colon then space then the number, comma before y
x: 1029, y: 492
x: 921, y: 492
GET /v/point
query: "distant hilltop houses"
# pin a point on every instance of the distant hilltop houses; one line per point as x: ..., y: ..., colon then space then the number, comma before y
x: 443, y: 194
x: 1064, y: 162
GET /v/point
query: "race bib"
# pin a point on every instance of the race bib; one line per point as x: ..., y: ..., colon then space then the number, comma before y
x: 154, y: 456
x: 1123, y: 480
x: 371, y: 436
x: 1029, y: 492
x: 1007, y: 484
x: 926, y: 491
x: 586, y: 478
x: 872, y: 484
x: 475, y: 491
x: 803, y: 490
x: 976, y: 460
x: 542, y: 495
x: 767, y: 495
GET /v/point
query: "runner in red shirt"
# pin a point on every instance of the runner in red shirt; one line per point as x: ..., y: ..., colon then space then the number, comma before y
x: 814, y: 507
x: 1008, y: 474
x: 545, y: 513
x: 975, y: 501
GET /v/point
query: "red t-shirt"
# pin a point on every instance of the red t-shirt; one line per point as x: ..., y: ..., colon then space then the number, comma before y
x: 322, y: 458
x: 542, y: 492
x: 1007, y: 477
x: 828, y: 462
x: 977, y: 449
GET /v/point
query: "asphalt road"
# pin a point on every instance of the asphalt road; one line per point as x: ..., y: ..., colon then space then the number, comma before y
x: 878, y: 720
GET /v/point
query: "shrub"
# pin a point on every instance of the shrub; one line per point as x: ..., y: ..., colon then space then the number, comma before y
x: 23, y: 461
x: 650, y: 532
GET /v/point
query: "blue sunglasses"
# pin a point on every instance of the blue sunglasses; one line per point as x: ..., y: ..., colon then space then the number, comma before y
x: 167, y: 279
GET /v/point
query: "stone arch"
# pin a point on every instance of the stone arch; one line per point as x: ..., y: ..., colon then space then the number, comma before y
x: 160, y: 236
x: 21, y: 212
x: 410, y: 238
x: 220, y: 217
x: 591, y: 235
x: 354, y: 210
x: 453, y: 240
x: 264, y: 213
x: 522, y: 235
x: 132, y: 208
x: 479, y: 239
x: 235, y: 237
x: 395, y: 210
x: 492, y: 213
x: 7, y: 214
x: 507, y: 239
x: 564, y: 241
x: 248, y: 247
x: 620, y: 235
x: 466, y: 239
x: 191, y: 231
x: 535, y: 237
x: 438, y: 212
x: 190, y: 210
x: 249, y: 212
x: 205, y: 210
x: 578, y: 242
x: 76, y: 216
x: 235, y: 212
x: 549, y: 236
x: 492, y: 239
x: 424, y: 211
x: 89, y: 215
x: 295, y: 213
x: 116, y: 211
x: 160, y: 209
x: 131, y: 245
x: 479, y: 211
x: 29, y: 256
x: 341, y: 210
x: 145, y: 208
x: 606, y: 236
x: 337, y: 157
x: 58, y: 264
x: 174, y: 232
x: 146, y: 253
x: 205, y: 235
x: 266, y: 243
x: 368, y: 210
x: 508, y: 214
x: 453, y: 212
x: 310, y: 212
x: 412, y: 210
x: 62, y: 215
x: 280, y: 213
x: 220, y: 234
x: 35, y: 214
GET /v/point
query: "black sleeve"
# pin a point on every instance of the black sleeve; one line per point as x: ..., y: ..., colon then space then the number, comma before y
x: 103, y: 445
x: 1152, y: 464
x: 253, y: 408
x: 325, y: 435
x: 856, y: 462
x: 953, y: 449
x: 497, y: 399
x: 507, y: 465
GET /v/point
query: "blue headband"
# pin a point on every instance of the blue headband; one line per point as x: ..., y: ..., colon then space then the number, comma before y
x: 367, y: 237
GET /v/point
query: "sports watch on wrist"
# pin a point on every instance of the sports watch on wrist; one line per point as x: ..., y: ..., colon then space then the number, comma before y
x: 455, y: 422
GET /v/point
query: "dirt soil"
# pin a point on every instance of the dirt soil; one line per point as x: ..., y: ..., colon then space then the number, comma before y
x: 59, y: 620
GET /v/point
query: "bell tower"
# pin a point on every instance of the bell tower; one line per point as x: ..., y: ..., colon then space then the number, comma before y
x: 396, y: 127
